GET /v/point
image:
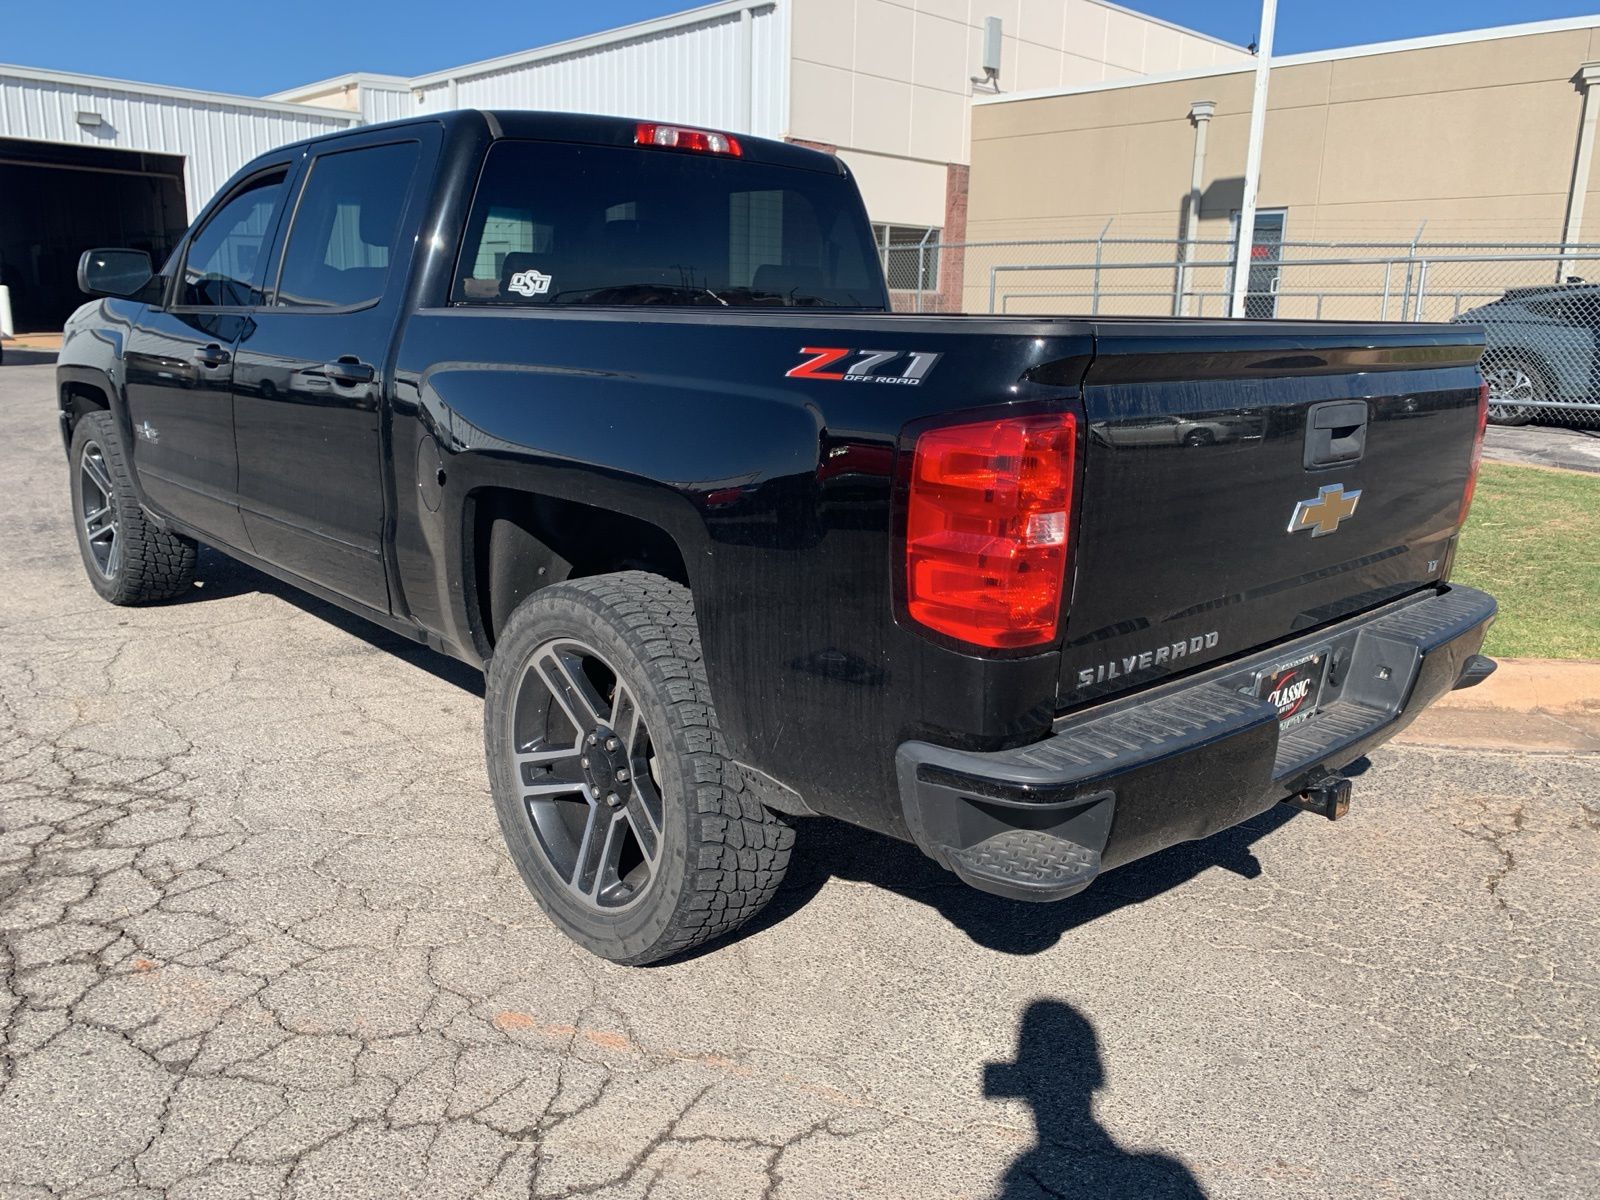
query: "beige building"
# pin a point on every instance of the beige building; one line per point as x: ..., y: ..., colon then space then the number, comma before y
x: 1480, y: 137
x: 888, y: 82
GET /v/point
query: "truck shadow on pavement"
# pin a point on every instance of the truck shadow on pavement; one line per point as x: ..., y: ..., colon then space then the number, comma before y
x: 828, y: 849
x: 1057, y: 1070
x: 16, y: 356
x: 221, y: 577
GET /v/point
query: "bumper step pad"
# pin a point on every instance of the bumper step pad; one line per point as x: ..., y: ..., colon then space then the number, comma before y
x: 1027, y: 864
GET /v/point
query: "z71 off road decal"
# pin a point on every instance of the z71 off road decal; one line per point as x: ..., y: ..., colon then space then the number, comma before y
x: 864, y: 369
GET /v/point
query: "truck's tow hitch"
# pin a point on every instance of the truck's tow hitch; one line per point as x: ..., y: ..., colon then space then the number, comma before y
x: 1326, y: 792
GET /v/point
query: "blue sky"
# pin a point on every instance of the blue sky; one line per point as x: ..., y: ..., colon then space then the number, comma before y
x: 256, y: 48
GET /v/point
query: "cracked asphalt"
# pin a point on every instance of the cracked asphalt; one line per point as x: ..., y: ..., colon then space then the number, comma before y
x: 258, y: 937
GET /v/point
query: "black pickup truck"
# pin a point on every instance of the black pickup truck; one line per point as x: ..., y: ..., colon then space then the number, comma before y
x: 618, y: 410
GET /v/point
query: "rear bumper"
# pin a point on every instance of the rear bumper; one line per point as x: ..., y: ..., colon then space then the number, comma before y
x: 1185, y: 760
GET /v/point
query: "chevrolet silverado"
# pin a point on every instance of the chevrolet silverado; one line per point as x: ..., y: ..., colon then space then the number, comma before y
x: 618, y: 411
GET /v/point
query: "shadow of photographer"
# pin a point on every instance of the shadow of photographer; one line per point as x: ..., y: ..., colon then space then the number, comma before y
x: 1057, y: 1071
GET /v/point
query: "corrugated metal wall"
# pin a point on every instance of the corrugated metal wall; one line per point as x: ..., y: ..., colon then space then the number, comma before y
x: 215, y: 136
x: 691, y: 73
x: 695, y: 72
x: 387, y: 104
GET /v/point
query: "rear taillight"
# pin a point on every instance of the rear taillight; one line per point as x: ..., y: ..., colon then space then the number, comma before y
x: 987, y: 523
x: 675, y: 137
x: 1477, y: 453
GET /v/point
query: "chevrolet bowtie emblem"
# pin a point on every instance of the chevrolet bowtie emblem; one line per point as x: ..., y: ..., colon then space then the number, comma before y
x: 1323, y: 512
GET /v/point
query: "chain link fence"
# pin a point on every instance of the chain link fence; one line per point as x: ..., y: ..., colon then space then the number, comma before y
x: 1542, y: 320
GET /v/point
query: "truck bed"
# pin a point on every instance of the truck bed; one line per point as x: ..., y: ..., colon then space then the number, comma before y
x: 784, y: 492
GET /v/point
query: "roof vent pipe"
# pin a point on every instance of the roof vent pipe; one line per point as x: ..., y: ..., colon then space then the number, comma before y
x: 1588, y: 75
x: 1200, y: 114
x: 993, y: 45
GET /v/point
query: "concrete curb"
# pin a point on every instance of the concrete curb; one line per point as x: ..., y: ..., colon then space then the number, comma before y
x: 35, y: 341
x: 1536, y: 704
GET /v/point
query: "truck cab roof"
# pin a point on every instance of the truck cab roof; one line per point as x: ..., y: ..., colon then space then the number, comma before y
x: 589, y: 129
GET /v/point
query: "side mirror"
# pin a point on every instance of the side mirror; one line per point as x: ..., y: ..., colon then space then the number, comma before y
x: 115, y: 272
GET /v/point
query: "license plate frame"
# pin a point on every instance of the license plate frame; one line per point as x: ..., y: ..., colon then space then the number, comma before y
x: 1294, y: 686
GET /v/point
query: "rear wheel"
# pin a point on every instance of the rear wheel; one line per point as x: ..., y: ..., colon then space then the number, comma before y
x: 615, y: 795
x: 1515, y: 388
x: 128, y: 559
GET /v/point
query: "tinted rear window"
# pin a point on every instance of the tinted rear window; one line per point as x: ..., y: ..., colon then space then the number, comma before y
x: 604, y: 225
x: 345, y: 226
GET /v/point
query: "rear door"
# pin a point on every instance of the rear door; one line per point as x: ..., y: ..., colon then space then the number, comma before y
x: 311, y: 370
x: 1319, y: 472
x: 179, y: 361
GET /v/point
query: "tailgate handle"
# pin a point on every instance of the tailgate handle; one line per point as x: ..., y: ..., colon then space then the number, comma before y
x: 1336, y: 432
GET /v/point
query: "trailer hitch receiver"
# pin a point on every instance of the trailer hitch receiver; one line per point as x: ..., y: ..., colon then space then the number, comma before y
x: 1323, y: 791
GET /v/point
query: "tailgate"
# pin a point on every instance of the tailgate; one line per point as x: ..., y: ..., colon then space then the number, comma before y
x: 1246, y: 481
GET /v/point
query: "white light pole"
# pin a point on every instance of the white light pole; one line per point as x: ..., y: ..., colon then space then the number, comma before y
x: 1252, y: 161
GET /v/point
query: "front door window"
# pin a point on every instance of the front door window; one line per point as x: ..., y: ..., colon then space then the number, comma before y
x: 226, y: 259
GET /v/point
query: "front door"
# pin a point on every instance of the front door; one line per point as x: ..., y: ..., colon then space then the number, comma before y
x: 179, y: 363
x: 310, y: 370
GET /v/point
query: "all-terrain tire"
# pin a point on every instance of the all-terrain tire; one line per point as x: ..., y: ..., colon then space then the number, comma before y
x: 722, y: 853
x: 150, y: 564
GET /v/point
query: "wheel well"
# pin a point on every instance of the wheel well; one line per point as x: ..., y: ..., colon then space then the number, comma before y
x: 78, y: 399
x: 521, y: 542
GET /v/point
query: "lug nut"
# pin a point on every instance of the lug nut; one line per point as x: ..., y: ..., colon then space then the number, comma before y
x: 612, y: 743
x: 622, y: 774
x: 594, y: 739
x: 614, y: 800
x: 584, y: 762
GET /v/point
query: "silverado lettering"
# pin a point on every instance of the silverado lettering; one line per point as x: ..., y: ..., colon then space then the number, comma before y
x: 711, y: 591
x: 1146, y: 659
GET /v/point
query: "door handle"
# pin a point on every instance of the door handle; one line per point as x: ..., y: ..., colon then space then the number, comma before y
x: 1336, y: 432
x: 212, y: 356
x: 348, y: 371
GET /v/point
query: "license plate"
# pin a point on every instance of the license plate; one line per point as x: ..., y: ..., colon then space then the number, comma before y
x: 1294, y: 687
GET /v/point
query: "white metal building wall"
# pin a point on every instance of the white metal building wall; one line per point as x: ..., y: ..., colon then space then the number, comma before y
x: 696, y: 68
x: 215, y: 134
x: 386, y: 104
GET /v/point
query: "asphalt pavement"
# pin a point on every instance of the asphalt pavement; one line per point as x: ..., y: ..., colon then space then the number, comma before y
x: 1570, y: 448
x: 258, y: 936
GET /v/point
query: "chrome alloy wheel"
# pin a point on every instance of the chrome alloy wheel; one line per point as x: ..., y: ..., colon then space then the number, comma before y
x: 586, y: 772
x: 102, y: 531
x: 1511, y: 388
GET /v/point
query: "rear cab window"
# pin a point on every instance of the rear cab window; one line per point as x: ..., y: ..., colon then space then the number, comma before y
x: 345, y: 225
x: 562, y: 224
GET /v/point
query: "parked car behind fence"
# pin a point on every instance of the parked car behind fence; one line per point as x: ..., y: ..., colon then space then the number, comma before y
x: 1541, y: 335
x: 1541, y: 354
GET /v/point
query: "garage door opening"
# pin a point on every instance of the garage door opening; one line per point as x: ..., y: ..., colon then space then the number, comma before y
x: 56, y: 201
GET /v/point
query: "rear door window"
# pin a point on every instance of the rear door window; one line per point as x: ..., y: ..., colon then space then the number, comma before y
x: 345, y: 226
x: 557, y: 224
